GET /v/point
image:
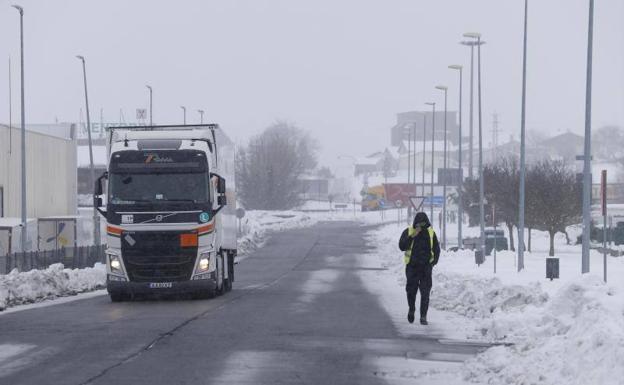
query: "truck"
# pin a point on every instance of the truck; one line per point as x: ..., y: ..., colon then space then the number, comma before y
x: 169, y: 200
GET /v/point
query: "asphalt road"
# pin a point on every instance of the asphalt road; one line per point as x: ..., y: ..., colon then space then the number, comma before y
x: 299, y: 313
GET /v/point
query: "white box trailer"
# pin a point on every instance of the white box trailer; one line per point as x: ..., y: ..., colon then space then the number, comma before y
x: 170, y: 210
x: 11, y: 235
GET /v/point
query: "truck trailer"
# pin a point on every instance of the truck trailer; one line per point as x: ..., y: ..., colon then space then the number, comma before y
x: 169, y: 200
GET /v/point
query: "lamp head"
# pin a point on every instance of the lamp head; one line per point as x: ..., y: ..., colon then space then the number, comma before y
x: 441, y: 88
x: 472, y: 35
x: 430, y: 104
x: 20, y: 9
x: 455, y: 67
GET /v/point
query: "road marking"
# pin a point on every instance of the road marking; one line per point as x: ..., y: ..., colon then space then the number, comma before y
x: 53, y: 302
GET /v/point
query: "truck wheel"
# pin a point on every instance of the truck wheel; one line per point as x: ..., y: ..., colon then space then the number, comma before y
x: 117, y: 297
x: 220, y: 281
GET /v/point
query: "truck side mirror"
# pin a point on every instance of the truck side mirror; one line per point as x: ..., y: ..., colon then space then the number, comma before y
x: 222, y: 200
x: 97, y: 193
x: 221, y: 185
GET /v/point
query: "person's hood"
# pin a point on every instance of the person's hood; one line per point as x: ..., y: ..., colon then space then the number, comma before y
x: 421, y: 218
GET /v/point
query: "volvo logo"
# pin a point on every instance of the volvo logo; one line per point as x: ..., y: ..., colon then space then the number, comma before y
x: 159, y: 218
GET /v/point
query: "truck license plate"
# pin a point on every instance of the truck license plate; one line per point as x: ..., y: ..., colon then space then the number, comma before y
x: 160, y: 285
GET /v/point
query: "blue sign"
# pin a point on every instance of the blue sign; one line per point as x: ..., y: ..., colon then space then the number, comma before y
x: 437, y: 201
x: 204, y: 217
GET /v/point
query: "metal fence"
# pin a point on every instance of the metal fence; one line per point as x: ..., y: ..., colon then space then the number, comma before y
x: 71, y: 257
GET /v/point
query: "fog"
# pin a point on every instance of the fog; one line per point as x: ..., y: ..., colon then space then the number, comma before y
x: 341, y: 70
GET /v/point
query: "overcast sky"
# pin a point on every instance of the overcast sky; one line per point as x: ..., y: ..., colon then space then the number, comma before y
x: 339, y: 68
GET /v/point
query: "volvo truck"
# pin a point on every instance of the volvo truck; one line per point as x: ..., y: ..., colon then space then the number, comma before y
x: 169, y: 199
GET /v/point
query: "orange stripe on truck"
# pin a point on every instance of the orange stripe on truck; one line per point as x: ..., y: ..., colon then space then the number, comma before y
x: 205, y: 229
x: 113, y: 230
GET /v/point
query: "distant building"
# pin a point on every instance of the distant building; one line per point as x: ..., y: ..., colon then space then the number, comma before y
x: 414, y: 121
x: 50, y: 170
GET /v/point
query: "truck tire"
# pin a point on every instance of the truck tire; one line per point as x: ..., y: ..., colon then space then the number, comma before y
x: 220, y: 288
x: 117, y: 297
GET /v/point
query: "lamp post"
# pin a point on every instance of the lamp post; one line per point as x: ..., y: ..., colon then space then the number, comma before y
x: 96, y: 217
x: 471, y: 44
x: 424, y: 152
x: 521, y: 197
x: 201, y: 116
x: 432, y: 104
x: 184, y: 110
x: 460, y: 204
x: 23, y: 118
x: 587, y: 151
x: 479, y: 43
x: 150, y: 103
x: 445, y: 167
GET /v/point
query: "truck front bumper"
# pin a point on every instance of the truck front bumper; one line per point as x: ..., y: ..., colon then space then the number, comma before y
x: 181, y: 287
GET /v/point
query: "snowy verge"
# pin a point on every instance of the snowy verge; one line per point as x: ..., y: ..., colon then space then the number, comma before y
x: 37, y: 285
x: 569, y: 331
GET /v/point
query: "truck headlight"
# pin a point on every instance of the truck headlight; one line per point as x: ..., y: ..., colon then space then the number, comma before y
x: 115, y: 264
x: 203, y: 263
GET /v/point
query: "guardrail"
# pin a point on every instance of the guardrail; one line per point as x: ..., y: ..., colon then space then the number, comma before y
x: 71, y: 257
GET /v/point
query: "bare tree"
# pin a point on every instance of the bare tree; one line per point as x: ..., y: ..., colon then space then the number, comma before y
x: 553, y: 198
x: 269, y: 168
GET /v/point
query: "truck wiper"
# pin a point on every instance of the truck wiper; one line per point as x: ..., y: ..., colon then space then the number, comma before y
x: 179, y: 200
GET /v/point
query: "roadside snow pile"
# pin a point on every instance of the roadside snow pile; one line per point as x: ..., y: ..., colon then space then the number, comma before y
x: 36, y: 285
x: 257, y: 224
x: 569, y: 331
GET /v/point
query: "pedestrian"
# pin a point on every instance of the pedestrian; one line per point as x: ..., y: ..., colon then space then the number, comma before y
x: 422, y: 251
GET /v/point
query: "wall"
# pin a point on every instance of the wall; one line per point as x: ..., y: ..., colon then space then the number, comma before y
x: 50, y: 176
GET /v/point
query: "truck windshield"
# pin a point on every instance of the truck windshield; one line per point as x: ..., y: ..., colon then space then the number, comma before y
x: 131, y: 188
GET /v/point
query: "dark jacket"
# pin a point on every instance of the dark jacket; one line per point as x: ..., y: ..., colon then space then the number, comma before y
x: 421, y: 249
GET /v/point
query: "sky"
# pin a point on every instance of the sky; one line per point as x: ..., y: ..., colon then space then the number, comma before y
x: 339, y: 69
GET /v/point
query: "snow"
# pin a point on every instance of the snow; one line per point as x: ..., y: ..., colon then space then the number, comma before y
x: 566, y: 331
x: 18, y: 288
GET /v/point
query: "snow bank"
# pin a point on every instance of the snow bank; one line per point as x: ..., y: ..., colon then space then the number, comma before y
x: 568, y: 331
x: 36, y: 285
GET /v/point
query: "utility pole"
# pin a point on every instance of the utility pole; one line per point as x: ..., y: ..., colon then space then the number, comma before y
x: 471, y: 44
x: 23, y: 123
x: 460, y: 204
x: 587, y: 152
x: 432, y: 104
x: 424, y: 152
x: 96, y: 217
x: 495, y: 131
x: 445, y: 167
x: 184, y: 111
x: 150, y: 104
x: 523, y: 146
x: 201, y: 116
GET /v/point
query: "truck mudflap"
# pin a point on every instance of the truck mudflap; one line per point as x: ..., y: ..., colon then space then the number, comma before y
x: 200, y: 286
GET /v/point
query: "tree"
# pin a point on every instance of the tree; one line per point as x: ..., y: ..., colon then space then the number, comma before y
x: 553, y: 197
x: 269, y: 168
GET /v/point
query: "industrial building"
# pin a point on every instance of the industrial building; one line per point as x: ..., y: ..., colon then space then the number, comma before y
x: 50, y: 170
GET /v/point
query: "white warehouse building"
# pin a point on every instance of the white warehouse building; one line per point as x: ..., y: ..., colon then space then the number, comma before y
x: 50, y: 170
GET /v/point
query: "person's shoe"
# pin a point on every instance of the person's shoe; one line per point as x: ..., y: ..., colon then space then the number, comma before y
x: 423, y: 321
x: 410, y: 316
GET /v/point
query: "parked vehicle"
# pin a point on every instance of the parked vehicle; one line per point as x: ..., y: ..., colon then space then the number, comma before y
x: 170, y: 210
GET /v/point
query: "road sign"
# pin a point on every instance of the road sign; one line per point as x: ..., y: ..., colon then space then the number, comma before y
x: 141, y: 113
x: 240, y: 212
x: 437, y: 200
x: 398, y: 203
x: 416, y: 202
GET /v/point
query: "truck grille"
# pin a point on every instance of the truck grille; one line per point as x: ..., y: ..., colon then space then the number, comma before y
x: 156, y: 256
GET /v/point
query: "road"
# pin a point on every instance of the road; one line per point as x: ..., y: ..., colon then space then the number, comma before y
x: 300, y: 312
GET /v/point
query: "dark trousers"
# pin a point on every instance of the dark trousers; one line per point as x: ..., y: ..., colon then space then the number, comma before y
x: 418, y: 278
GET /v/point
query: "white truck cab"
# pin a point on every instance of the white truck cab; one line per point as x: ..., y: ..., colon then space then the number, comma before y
x: 170, y: 211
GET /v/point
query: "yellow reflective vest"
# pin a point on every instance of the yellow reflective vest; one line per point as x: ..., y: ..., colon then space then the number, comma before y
x: 411, y: 232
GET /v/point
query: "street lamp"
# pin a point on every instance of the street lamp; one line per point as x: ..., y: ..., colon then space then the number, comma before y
x: 150, y: 104
x: 460, y: 204
x: 479, y: 43
x: 424, y: 152
x: 445, y: 167
x: 201, y: 116
x: 23, y: 154
x: 96, y: 217
x: 432, y: 104
x: 587, y: 145
x: 184, y: 110
x: 521, y: 197
x: 471, y: 44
